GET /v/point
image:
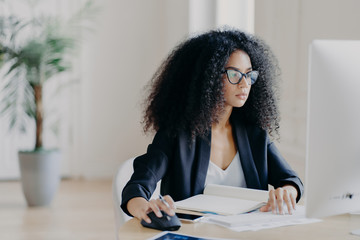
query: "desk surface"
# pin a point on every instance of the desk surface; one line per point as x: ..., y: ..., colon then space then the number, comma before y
x: 331, y: 228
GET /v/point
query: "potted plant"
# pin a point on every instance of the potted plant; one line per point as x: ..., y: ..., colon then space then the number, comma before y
x: 33, y: 51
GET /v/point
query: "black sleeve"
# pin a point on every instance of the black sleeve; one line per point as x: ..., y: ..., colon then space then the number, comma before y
x: 148, y: 170
x: 280, y: 172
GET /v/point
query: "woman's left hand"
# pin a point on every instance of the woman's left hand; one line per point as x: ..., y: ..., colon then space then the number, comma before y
x: 286, y: 194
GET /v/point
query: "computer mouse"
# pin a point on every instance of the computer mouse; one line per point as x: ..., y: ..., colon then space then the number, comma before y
x: 165, y: 223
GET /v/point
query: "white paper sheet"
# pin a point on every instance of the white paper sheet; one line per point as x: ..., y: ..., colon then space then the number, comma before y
x: 260, y: 220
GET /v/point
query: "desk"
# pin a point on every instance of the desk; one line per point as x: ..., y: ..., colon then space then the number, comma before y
x: 331, y: 228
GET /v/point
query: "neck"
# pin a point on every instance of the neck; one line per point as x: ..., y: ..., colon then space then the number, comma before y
x: 224, y: 119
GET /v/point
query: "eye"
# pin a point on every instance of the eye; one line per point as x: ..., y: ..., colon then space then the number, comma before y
x: 233, y: 74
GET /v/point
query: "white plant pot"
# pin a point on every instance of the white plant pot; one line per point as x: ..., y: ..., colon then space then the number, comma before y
x: 40, y: 176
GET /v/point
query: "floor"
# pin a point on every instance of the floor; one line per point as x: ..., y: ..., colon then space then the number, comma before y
x: 81, y: 210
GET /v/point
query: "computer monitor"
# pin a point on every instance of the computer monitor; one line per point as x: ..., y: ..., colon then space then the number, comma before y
x: 332, y: 183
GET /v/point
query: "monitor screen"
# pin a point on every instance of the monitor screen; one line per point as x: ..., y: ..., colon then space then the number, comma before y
x: 332, y: 184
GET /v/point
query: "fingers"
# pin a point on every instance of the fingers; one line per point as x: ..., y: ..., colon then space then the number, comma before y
x: 265, y: 208
x: 287, y: 200
x: 292, y: 192
x: 281, y: 199
x: 169, y: 209
x: 139, y: 207
x: 279, y: 193
x: 143, y: 215
x: 170, y: 201
x: 167, y: 205
x: 293, y: 201
x: 156, y: 205
x: 272, y: 201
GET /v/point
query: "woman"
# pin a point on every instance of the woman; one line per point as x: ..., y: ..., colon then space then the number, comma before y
x: 212, y: 103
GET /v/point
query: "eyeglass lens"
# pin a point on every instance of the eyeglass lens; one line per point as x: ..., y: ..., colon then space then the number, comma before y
x: 236, y: 76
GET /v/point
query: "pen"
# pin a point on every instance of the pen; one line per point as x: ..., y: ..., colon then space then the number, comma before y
x: 163, y: 201
x: 208, y: 212
x: 256, y: 208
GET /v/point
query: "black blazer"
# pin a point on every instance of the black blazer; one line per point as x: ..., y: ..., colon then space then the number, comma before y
x: 182, y: 164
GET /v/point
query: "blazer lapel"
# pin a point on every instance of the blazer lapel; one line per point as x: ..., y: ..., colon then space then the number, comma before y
x: 246, y: 158
x: 202, y: 164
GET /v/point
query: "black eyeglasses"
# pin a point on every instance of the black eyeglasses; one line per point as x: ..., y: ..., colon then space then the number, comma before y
x: 235, y: 76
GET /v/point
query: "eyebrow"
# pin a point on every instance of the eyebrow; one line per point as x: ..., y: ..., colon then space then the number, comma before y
x: 248, y: 69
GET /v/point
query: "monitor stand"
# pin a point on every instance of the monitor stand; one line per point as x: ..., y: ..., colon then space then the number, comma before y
x: 356, y: 232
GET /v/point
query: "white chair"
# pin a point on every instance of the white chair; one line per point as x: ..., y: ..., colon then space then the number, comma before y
x: 121, y: 177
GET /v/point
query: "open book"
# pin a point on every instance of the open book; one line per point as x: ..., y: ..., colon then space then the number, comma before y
x: 223, y: 200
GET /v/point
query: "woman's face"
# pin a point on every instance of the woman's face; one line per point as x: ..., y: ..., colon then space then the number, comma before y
x: 237, y: 94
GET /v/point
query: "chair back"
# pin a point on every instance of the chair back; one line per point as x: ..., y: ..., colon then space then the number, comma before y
x: 121, y: 177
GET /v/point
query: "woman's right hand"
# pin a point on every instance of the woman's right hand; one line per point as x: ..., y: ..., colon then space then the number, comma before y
x: 139, y: 207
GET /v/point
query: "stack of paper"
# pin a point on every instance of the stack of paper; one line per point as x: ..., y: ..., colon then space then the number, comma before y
x: 233, y: 207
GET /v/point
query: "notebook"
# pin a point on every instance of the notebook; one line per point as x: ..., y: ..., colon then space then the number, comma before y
x: 223, y: 200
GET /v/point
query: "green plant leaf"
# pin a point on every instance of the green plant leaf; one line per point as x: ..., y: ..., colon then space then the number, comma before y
x: 14, y: 66
x: 32, y: 59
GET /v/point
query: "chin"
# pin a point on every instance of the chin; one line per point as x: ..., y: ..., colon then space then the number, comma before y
x: 239, y: 104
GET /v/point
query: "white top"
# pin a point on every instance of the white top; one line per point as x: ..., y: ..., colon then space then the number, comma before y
x: 233, y: 175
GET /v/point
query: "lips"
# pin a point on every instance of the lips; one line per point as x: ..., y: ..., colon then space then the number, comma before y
x: 242, y: 96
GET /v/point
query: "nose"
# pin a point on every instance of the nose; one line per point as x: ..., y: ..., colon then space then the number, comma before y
x: 243, y: 83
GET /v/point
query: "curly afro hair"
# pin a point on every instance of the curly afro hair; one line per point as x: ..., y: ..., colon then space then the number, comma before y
x: 186, y: 92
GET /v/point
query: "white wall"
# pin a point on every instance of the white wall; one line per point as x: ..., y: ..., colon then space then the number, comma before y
x: 236, y: 13
x: 131, y: 40
x: 289, y: 27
